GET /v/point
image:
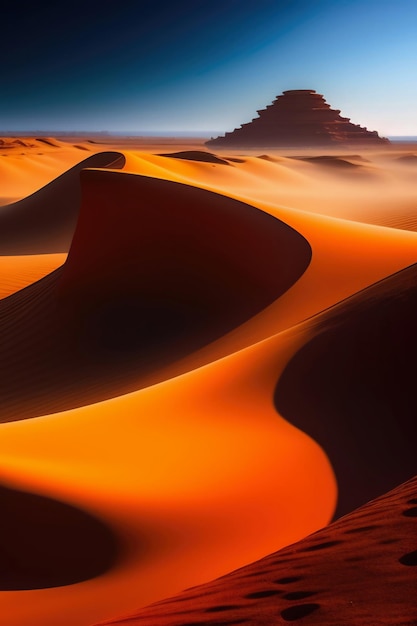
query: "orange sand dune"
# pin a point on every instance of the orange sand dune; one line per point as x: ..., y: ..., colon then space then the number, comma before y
x: 17, y: 272
x: 197, y: 461
x: 410, y: 159
x: 156, y: 270
x: 344, y: 163
x: 352, y: 388
x: 45, y: 221
x: 105, y: 337
x: 346, y: 256
x: 13, y: 143
x: 195, y: 476
x: 27, y: 166
x: 195, y: 155
x: 376, y: 189
x: 200, y: 304
x: 357, y: 571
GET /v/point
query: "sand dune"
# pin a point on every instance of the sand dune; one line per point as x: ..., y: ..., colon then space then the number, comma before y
x: 219, y: 360
x: 196, y: 476
x: 45, y: 221
x: 331, y: 161
x: 362, y: 411
x: 195, y: 155
x: 49, y: 141
x: 156, y: 270
x: 410, y: 159
x: 310, y: 182
x: 17, y: 272
x: 358, y: 570
x: 24, y: 169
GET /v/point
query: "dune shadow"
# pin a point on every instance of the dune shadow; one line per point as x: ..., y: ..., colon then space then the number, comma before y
x: 156, y: 270
x: 407, y: 159
x: 196, y: 155
x: 352, y: 389
x: 47, y: 543
x: 300, y: 581
x: 331, y: 161
x: 44, y: 222
x: 48, y: 141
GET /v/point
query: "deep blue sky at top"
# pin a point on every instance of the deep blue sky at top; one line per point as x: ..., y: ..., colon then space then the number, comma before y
x: 204, y: 65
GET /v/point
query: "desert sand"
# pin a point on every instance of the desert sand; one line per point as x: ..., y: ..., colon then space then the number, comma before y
x: 359, y: 570
x: 205, y: 358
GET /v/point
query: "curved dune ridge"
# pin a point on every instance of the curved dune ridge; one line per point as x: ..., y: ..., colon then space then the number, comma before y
x: 409, y: 159
x: 342, y: 186
x: 219, y: 359
x: 331, y: 161
x: 352, y: 388
x: 44, y: 222
x: 342, y: 574
x: 9, y: 143
x: 200, y: 469
x: 156, y: 270
x: 17, y: 272
x: 196, y: 155
x: 46, y: 543
x: 359, y: 570
x: 49, y: 141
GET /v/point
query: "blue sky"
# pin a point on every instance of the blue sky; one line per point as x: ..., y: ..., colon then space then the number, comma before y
x: 205, y: 66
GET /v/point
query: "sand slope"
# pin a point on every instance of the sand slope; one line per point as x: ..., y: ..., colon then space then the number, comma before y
x: 371, y: 187
x: 45, y: 221
x: 155, y: 271
x: 351, y: 387
x: 195, y: 476
x: 27, y: 164
x: 210, y: 307
x: 17, y: 272
x: 359, y: 570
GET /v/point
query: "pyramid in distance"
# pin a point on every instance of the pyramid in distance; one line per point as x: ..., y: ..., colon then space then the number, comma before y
x: 298, y: 117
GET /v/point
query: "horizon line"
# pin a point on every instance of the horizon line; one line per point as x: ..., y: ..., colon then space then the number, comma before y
x: 139, y: 134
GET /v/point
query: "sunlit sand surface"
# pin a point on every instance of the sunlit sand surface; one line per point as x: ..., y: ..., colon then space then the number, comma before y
x: 359, y: 570
x: 17, y: 272
x: 202, y: 363
x: 27, y: 164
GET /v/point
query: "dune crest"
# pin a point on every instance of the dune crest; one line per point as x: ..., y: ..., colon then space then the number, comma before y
x: 17, y: 272
x: 44, y: 222
x: 356, y: 397
x: 196, y: 155
x: 156, y: 270
x: 200, y: 468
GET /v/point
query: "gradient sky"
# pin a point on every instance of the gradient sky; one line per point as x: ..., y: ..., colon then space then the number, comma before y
x: 204, y: 65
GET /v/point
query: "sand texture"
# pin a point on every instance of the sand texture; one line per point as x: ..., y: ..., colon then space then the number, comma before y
x: 207, y: 358
x: 359, y: 570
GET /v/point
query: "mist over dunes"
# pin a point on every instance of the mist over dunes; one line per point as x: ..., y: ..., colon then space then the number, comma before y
x: 206, y: 360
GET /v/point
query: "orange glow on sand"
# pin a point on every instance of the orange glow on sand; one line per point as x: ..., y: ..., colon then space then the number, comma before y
x: 185, y: 460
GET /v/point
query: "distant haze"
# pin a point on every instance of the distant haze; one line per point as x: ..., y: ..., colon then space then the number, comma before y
x: 191, y: 67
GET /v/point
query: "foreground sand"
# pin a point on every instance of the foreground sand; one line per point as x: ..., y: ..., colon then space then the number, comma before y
x: 220, y: 364
x: 359, y: 570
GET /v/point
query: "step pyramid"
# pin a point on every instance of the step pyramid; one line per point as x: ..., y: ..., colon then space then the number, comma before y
x: 298, y: 117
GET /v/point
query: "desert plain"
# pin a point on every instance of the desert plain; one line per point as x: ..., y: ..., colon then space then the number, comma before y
x: 207, y: 358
